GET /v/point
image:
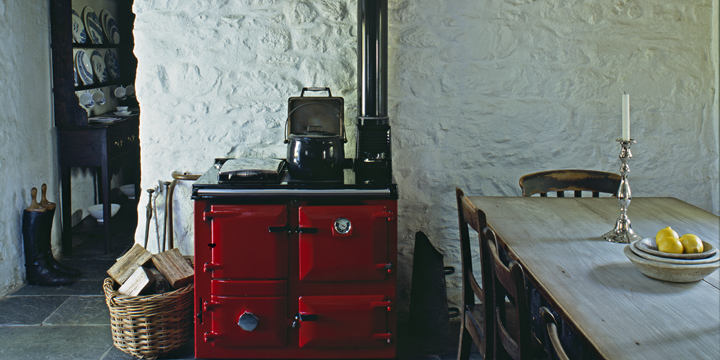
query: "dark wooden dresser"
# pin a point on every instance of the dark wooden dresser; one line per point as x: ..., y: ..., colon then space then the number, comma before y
x: 107, y: 147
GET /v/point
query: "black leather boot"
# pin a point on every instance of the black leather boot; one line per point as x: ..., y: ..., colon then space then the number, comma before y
x: 37, y: 270
x: 47, y: 237
x: 47, y: 246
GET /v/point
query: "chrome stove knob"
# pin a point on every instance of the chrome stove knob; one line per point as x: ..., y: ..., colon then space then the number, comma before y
x: 342, y: 226
x: 248, y: 321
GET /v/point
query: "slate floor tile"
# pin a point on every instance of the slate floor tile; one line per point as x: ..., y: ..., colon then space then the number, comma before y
x: 28, y: 310
x: 86, y: 251
x: 54, y: 342
x: 80, y: 287
x: 411, y: 347
x: 81, y: 310
x: 95, y: 269
x: 182, y: 353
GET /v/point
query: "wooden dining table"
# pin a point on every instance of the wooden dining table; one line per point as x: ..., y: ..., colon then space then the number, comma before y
x: 618, y: 312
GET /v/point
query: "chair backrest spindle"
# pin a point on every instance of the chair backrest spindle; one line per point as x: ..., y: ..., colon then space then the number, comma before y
x: 552, y: 339
x: 512, y: 338
x: 476, y: 318
x: 559, y: 181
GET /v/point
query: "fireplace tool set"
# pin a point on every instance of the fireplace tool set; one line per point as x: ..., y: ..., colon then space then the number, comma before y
x: 168, y: 235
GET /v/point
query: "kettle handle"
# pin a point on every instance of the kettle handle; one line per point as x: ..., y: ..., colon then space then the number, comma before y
x: 287, y: 119
x: 302, y: 93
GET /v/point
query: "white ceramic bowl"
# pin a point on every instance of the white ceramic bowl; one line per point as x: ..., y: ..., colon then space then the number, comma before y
x: 128, y: 190
x: 648, y: 256
x: 97, y: 211
x: 648, y: 245
x: 671, y: 272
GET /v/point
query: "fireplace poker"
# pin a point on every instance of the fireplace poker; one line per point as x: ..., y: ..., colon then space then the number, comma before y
x: 155, y: 209
x: 148, y: 216
x: 165, y: 220
x: 168, y: 211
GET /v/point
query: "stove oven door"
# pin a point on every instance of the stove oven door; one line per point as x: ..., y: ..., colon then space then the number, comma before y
x: 351, y: 321
x: 248, y: 241
x: 344, y: 243
x: 247, y: 313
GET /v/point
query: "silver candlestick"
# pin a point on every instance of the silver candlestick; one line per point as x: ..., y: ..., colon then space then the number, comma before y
x: 623, y: 232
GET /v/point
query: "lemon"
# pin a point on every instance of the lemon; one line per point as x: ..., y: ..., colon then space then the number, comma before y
x: 661, y: 241
x: 670, y: 244
x: 665, y: 232
x: 691, y: 244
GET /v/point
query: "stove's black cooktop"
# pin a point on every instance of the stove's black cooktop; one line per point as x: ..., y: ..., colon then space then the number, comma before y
x: 208, y: 186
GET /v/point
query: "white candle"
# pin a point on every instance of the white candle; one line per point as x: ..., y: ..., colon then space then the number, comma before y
x: 626, y: 117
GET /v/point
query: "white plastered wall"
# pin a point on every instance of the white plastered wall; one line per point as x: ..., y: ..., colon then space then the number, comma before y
x: 481, y: 92
x: 27, y: 147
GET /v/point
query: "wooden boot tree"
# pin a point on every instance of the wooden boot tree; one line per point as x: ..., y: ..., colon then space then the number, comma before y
x: 44, y: 201
x: 34, y: 206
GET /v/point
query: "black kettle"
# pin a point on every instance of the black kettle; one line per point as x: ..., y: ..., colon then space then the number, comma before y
x: 315, y: 134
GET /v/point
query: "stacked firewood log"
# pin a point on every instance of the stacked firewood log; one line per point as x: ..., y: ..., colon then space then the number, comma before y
x: 139, y: 272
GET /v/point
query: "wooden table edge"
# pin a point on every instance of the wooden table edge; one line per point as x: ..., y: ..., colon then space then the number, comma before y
x: 540, y: 287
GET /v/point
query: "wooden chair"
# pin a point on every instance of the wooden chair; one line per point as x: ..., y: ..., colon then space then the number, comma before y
x: 512, y: 338
x: 476, y: 318
x: 552, y: 340
x: 570, y: 180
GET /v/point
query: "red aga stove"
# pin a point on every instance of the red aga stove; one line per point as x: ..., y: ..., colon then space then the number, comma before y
x: 298, y: 270
x: 294, y: 270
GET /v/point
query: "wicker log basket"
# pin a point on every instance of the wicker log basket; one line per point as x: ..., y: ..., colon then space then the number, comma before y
x: 148, y: 326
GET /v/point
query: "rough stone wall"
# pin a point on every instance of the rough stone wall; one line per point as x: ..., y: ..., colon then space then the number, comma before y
x: 481, y: 92
x: 214, y: 79
x: 27, y: 148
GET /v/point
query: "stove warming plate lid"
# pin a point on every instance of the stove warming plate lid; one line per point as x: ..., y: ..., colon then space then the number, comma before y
x: 251, y: 170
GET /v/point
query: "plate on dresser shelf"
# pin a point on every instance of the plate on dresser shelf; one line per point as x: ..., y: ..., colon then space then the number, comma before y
x: 78, y: 29
x: 104, y: 119
x: 111, y: 62
x: 75, y: 73
x: 103, y: 20
x: 110, y: 26
x: 92, y: 24
x: 84, y: 67
x: 98, y: 64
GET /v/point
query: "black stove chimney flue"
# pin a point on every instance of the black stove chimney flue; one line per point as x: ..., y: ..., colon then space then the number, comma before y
x: 372, y: 58
x: 373, y: 162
